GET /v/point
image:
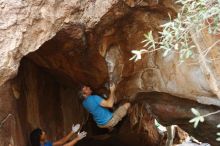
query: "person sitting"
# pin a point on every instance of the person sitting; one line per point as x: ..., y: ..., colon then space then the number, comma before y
x: 38, y: 137
x: 98, y: 107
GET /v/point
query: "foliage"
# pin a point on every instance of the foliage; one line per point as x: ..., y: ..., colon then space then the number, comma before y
x: 218, y: 134
x: 201, y: 118
x: 176, y: 34
x: 194, y: 16
x: 196, y: 119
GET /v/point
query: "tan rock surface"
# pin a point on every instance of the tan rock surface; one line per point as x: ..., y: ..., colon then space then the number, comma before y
x: 26, y: 25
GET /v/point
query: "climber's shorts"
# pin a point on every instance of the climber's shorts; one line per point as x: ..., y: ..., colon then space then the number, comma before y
x: 119, y: 113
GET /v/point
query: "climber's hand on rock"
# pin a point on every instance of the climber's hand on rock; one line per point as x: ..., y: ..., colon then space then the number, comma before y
x: 112, y: 87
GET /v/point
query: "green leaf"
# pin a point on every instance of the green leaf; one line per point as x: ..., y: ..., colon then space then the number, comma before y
x: 195, y: 111
x: 133, y: 57
x: 201, y: 119
x: 146, y: 44
x: 144, y: 41
x: 150, y: 34
x: 176, y: 47
x: 164, y: 47
x: 193, y: 120
x: 188, y: 53
x: 166, y: 52
x: 196, y: 120
x: 192, y: 46
x: 169, y: 16
x: 137, y: 54
x: 196, y: 123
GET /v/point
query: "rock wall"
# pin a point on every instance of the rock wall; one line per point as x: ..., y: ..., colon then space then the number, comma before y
x: 35, y: 99
x: 10, y: 124
x: 26, y: 25
x: 38, y: 101
x: 101, y: 55
x: 194, y: 79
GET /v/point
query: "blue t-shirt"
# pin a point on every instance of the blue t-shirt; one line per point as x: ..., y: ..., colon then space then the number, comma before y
x: 100, y: 114
x: 48, y: 143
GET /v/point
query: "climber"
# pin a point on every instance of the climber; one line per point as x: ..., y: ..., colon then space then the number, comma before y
x: 98, y: 107
x: 39, y: 138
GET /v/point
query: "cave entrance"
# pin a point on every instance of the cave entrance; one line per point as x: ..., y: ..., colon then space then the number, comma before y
x: 47, y: 87
x: 49, y: 100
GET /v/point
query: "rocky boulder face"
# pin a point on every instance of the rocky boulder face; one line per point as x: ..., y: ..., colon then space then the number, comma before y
x: 192, y: 79
x: 83, y: 54
x: 67, y: 43
x: 26, y: 25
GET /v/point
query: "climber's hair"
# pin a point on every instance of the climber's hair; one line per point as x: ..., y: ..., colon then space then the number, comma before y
x: 83, y: 85
x: 35, y: 137
x: 80, y: 94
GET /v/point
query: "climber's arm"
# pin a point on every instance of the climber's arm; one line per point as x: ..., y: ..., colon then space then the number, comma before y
x: 110, y: 101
